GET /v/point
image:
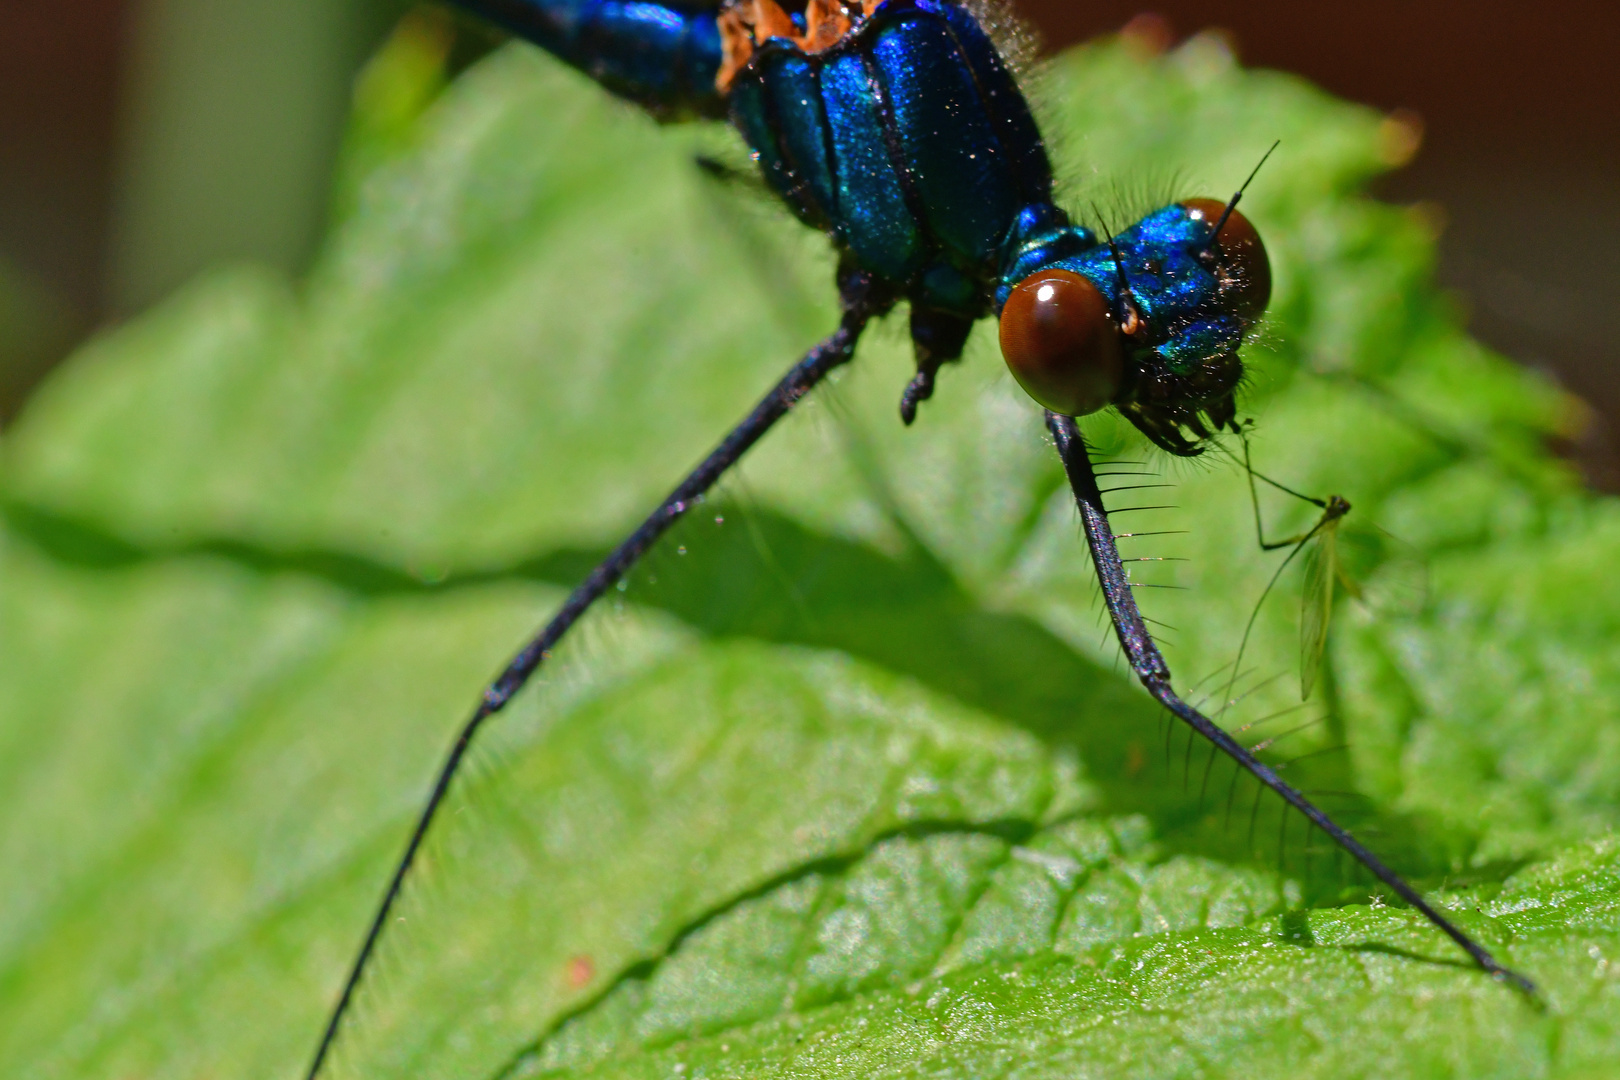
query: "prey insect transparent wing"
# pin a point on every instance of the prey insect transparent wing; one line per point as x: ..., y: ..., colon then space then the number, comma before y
x: 1323, y: 572
x: 1316, y: 607
x: 1398, y: 587
x: 1370, y: 566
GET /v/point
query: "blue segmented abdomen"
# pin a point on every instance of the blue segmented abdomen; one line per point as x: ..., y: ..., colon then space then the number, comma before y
x: 908, y: 141
x: 662, y: 56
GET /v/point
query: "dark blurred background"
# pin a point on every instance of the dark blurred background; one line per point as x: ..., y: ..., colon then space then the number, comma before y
x: 141, y: 140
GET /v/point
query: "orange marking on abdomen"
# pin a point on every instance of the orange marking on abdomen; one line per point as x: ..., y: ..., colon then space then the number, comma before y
x: 747, y: 24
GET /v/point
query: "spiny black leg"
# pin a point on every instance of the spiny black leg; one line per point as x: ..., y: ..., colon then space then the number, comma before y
x: 1151, y: 669
x: 918, y: 390
x: 859, y: 307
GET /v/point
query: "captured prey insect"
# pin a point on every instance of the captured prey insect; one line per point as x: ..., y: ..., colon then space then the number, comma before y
x: 1322, y: 572
x: 895, y: 127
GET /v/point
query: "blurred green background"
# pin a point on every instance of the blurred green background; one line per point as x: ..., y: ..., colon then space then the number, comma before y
x: 146, y: 141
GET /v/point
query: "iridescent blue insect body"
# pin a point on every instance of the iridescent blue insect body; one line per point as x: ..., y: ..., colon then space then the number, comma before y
x: 895, y: 127
x: 908, y: 142
x: 665, y: 57
x: 904, y: 137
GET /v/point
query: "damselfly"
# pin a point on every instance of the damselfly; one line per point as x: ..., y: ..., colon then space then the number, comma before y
x: 895, y: 127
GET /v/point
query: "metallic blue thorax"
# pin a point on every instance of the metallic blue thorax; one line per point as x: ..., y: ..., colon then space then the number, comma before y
x: 908, y: 142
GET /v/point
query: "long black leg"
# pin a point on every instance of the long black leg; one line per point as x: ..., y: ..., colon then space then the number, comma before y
x: 859, y: 307
x: 1151, y: 669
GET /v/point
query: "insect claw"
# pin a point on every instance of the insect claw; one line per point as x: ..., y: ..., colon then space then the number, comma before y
x: 918, y: 390
x: 937, y: 338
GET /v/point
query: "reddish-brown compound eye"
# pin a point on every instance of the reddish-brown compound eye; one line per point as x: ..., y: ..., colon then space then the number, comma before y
x: 1241, y: 263
x: 1060, y: 343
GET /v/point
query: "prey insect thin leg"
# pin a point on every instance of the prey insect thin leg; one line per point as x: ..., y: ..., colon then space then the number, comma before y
x: 1333, y: 508
x: 1298, y: 545
x: 831, y: 353
x: 1254, y: 501
x: 1154, y: 675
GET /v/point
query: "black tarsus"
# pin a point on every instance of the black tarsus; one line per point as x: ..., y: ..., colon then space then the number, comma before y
x: 1154, y: 675
x: 860, y: 304
x: 918, y: 390
x: 938, y: 338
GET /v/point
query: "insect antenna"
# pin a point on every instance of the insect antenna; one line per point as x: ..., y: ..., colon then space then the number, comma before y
x: 1238, y: 197
x: 1154, y: 674
x: 1131, y: 320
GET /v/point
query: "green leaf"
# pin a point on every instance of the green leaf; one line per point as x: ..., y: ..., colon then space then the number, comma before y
x: 848, y: 781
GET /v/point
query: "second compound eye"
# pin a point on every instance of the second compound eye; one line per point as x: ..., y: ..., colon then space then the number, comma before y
x: 1245, y: 271
x: 1060, y: 343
